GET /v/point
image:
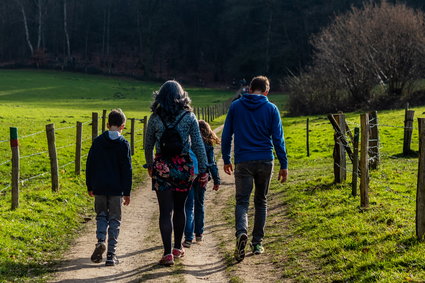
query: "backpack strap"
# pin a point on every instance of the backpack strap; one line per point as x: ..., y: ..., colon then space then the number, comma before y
x: 178, y: 121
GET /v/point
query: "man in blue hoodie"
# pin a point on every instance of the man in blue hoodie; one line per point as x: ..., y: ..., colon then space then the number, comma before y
x: 256, y: 127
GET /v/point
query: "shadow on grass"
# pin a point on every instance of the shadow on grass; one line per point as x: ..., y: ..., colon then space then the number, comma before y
x: 312, y: 188
x: 411, y: 154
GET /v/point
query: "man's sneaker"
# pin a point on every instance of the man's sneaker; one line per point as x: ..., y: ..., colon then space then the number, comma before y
x: 240, y: 247
x: 177, y: 253
x: 111, y: 260
x: 187, y: 244
x: 199, y: 238
x: 100, y: 248
x: 257, y: 249
x: 167, y: 260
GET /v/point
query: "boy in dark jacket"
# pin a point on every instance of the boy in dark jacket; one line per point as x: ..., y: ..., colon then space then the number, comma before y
x: 108, y: 179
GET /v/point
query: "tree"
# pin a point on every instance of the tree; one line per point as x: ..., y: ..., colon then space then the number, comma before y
x: 378, y: 44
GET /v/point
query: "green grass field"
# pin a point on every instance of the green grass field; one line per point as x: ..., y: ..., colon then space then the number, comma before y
x: 33, y: 237
x: 328, y: 238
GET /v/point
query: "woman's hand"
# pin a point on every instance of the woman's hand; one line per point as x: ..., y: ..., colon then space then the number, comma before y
x: 150, y: 172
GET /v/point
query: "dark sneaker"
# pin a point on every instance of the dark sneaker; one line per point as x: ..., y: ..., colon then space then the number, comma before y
x: 240, y: 247
x: 187, y: 244
x: 167, y: 260
x: 100, y: 248
x: 111, y: 260
x: 199, y: 238
x: 257, y: 249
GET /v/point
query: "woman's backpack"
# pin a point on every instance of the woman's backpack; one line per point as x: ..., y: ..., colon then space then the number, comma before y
x: 171, y: 143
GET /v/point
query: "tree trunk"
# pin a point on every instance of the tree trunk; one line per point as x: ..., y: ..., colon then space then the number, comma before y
x: 27, y: 33
x: 39, y: 23
x: 65, y: 27
x: 269, y: 35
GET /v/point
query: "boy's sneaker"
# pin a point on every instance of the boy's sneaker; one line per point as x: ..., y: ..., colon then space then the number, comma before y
x: 240, y: 247
x: 199, y: 238
x: 100, y: 248
x: 167, y: 260
x: 187, y: 244
x: 257, y: 249
x: 111, y: 260
x: 177, y: 253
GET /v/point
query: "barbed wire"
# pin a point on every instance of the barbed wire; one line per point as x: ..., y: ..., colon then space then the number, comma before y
x: 5, y: 162
x: 64, y: 128
x: 33, y: 177
x: 34, y: 154
x: 5, y: 188
x: 33, y: 134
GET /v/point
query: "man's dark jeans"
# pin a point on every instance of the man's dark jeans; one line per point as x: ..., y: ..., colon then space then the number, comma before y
x: 246, y: 175
x: 108, y: 219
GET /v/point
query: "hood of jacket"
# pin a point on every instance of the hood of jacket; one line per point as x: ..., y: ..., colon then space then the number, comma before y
x: 107, y: 141
x: 253, y: 101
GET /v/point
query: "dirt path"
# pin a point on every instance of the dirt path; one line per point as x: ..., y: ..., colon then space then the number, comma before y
x: 140, y: 247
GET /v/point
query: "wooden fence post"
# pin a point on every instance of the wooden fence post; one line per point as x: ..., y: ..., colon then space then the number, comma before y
x: 54, y: 168
x: 145, y: 122
x: 132, y: 133
x: 364, y: 162
x: 308, y: 137
x: 14, y: 144
x: 103, y: 120
x: 408, y: 130
x: 78, y: 147
x: 355, y: 162
x: 94, y: 125
x: 340, y: 162
x: 374, y: 140
x: 420, y: 192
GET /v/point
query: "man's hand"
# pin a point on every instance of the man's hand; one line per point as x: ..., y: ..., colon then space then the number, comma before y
x: 150, y: 172
x: 91, y: 193
x: 228, y: 168
x: 283, y: 175
x: 216, y: 187
x: 126, y: 200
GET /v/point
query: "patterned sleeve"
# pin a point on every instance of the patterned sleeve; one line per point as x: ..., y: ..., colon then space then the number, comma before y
x: 198, y: 145
x: 150, y: 141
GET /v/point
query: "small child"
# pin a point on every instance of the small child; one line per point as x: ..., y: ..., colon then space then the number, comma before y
x: 195, y: 201
x: 109, y: 179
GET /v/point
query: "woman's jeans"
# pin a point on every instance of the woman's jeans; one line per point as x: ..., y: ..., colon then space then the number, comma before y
x: 194, y: 211
x: 246, y: 175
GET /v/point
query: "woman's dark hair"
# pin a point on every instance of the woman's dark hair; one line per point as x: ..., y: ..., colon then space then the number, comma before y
x: 170, y: 100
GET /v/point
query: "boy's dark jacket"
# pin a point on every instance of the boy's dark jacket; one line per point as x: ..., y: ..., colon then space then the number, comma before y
x: 108, y: 168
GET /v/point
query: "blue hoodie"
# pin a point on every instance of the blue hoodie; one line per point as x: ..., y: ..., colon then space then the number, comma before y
x: 256, y: 126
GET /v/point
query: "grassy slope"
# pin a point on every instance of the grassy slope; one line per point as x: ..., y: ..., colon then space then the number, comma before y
x: 33, y: 237
x: 329, y: 238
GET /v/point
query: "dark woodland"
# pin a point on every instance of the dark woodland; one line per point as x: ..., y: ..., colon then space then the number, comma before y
x: 199, y: 41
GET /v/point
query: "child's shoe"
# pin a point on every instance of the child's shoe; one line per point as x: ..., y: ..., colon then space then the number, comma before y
x: 111, y: 260
x: 100, y: 248
x: 167, y: 260
x: 199, y: 238
x: 187, y: 243
x: 178, y: 253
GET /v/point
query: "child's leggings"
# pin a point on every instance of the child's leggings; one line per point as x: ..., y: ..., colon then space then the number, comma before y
x: 169, y: 202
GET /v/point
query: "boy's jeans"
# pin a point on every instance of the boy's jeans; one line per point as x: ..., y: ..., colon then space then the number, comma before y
x: 256, y: 172
x: 194, y: 211
x: 108, y: 219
